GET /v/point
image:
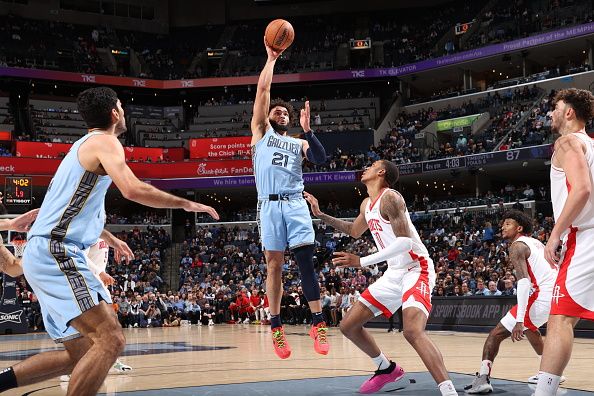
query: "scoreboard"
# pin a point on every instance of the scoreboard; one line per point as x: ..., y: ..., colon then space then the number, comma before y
x: 17, y: 190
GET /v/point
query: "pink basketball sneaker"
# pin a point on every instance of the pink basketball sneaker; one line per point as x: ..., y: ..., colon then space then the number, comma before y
x: 382, y: 377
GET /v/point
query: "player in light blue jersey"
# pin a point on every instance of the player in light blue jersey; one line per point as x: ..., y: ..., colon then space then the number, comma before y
x: 283, y: 214
x: 74, y: 303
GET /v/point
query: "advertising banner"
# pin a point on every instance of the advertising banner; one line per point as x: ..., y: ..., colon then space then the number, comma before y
x: 26, y: 166
x: 460, y: 122
x: 224, y: 147
x: 464, y: 56
x: 58, y: 150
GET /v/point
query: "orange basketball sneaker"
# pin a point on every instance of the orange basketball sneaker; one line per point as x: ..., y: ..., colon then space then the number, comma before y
x: 319, y: 333
x: 281, y: 346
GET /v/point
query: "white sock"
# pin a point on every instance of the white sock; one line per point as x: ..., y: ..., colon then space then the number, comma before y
x: 447, y: 388
x: 486, y: 367
x: 547, y: 384
x: 381, y: 361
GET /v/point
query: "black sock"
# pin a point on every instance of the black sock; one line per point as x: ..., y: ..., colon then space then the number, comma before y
x: 275, y: 321
x: 317, y: 317
x: 7, y: 379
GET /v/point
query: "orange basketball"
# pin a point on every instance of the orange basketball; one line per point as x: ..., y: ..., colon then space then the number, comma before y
x: 279, y: 34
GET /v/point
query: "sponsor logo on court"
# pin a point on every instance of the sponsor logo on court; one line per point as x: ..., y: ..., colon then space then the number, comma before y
x: 9, y: 301
x: 12, y: 317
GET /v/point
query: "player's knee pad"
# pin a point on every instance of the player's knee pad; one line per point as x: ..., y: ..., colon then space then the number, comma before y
x: 309, y: 277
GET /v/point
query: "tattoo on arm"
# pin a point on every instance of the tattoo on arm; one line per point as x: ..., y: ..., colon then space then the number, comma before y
x: 340, y: 225
x: 518, y: 254
x: 393, y: 208
x: 7, y: 260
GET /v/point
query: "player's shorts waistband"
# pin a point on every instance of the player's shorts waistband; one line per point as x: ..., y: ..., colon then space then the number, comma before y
x: 65, y: 240
x: 280, y: 197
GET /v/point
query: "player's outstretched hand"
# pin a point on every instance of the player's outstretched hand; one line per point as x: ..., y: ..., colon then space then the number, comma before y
x: 313, y: 202
x: 23, y: 222
x: 106, y: 279
x: 122, y: 250
x: 196, y: 207
x: 272, y: 54
x: 550, y: 252
x: 344, y: 259
x: 518, y: 332
x: 305, y: 117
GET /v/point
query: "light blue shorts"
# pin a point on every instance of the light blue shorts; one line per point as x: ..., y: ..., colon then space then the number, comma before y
x: 285, y: 222
x: 65, y: 286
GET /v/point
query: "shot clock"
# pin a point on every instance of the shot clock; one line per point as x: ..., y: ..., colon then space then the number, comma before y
x: 17, y: 190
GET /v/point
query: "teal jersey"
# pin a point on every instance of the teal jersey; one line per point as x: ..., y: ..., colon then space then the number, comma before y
x: 73, y: 209
x: 277, y: 165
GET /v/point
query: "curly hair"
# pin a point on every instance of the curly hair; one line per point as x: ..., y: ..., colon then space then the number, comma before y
x: 281, y: 103
x: 95, y: 106
x: 580, y: 100
x: 521, y: 218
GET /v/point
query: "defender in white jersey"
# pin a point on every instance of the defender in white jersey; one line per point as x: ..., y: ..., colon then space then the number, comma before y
x: 572, y: 169
x: 74, y: 304
x: 535, y: 284
x: 407, y: 282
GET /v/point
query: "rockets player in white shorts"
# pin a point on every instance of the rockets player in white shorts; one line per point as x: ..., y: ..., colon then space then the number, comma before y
x: 572, y: 169
x: 407, y: 282
x: 98, y: 255
x: 535, y: 284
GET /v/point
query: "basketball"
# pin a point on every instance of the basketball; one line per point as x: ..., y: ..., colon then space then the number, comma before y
x: 279, y: 34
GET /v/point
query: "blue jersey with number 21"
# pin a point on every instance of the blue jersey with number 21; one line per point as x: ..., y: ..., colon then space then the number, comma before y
x: 277, y: 165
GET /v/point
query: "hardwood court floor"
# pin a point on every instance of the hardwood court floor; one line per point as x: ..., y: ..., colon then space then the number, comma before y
x: 230, y: 354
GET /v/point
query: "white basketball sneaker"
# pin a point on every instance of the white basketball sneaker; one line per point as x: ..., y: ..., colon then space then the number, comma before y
x: 534, y: 379
x: 117, y: 368
x: 481, y: 384
x: 120, y: 367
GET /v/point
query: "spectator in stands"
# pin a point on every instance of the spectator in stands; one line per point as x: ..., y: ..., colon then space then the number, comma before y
x: 151, y: 317
x: 528, y: 192
x: 480, y: 288
x: 240, y: 309
x: 492, y: 290
x: 193, y: 310
x: 208, y: 315
x: 509, y: 289
x: 465, y: 291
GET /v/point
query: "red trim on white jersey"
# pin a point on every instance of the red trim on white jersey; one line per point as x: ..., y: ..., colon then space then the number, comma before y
x: 527, y: 322
x: 372, y: 204
x: 542, y: 276
x: 367, y: 296
x: 420, y: 291
x: 562, y: 303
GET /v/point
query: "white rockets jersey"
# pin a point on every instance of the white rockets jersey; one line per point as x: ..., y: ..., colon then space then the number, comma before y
x: 383, y: 235
x: 542, y: 276
x: 98, y: 254
x: 560, y: 188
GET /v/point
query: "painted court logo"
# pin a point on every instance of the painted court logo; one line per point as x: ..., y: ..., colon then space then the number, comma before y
x: 12, y: 317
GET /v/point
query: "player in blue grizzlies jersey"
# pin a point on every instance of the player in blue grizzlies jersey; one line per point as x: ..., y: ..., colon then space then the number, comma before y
x: 74, y: 303
x: 283, y: 214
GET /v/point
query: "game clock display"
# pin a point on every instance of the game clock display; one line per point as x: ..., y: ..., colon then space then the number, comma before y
x: 17, y: 190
